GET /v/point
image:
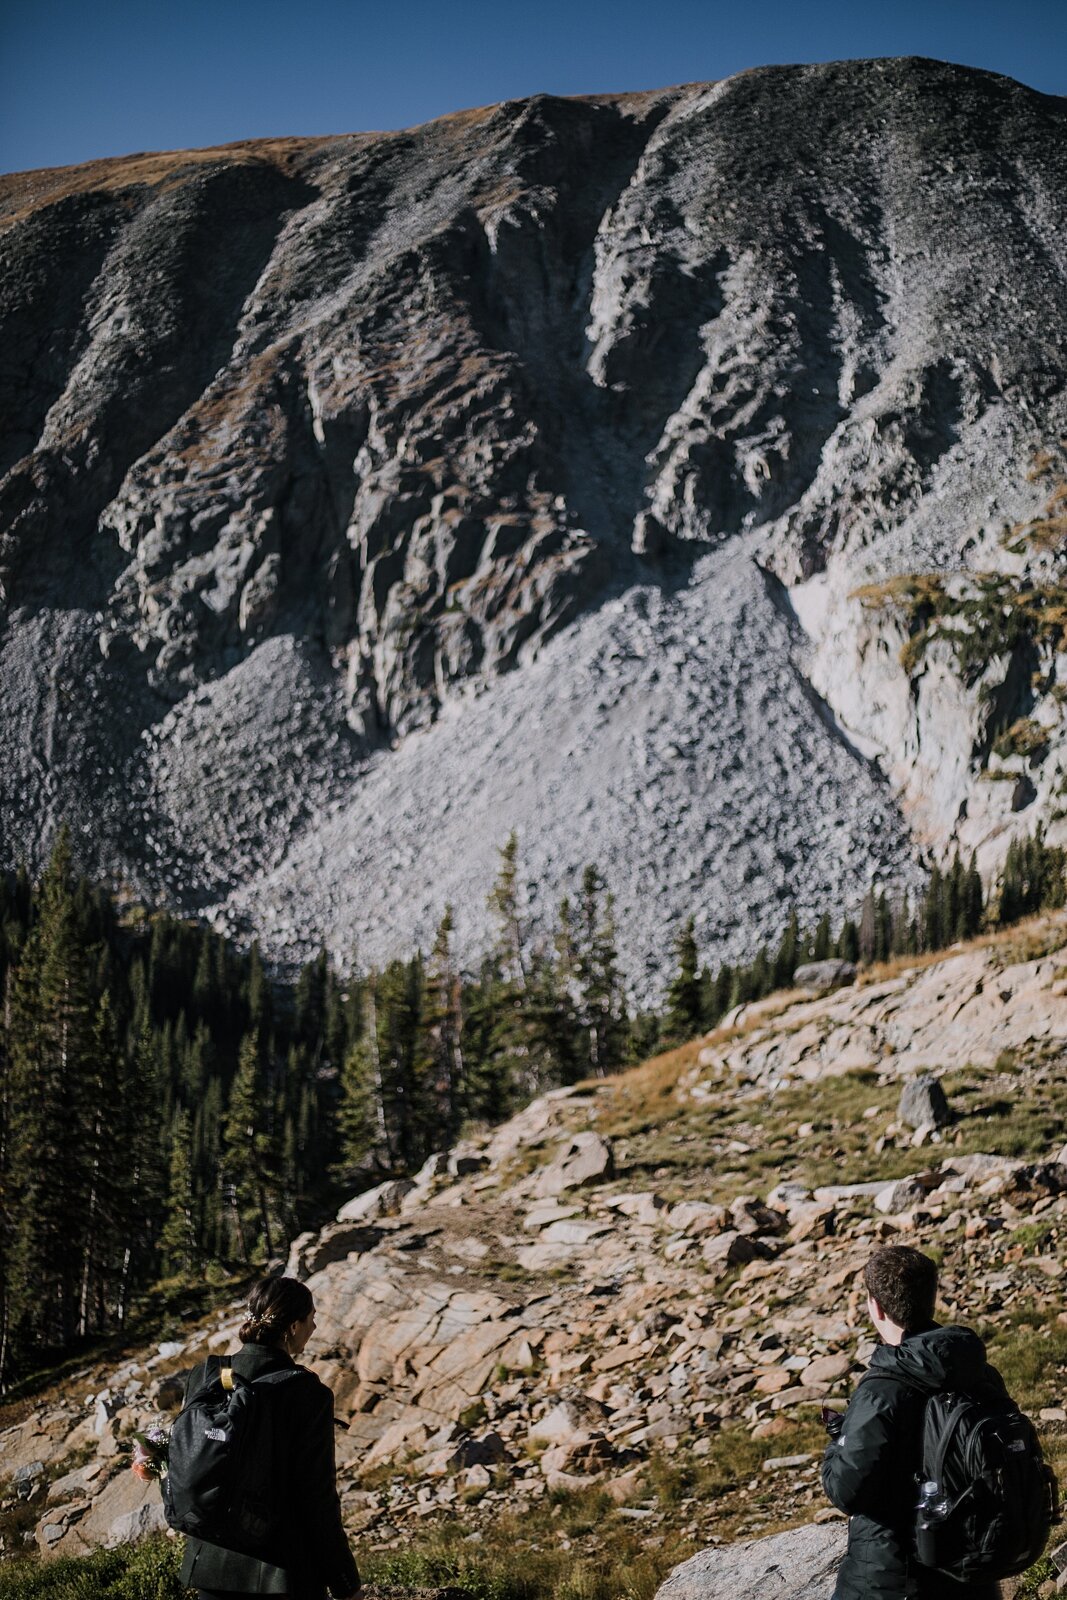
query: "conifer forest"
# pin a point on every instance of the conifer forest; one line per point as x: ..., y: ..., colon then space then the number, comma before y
x: 168, y: 1107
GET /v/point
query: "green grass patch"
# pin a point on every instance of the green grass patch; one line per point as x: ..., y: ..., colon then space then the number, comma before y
x: 147, y: 1571
x: 824, y: 1132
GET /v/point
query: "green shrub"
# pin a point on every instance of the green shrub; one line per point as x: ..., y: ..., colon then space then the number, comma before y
x: 147, y: 1571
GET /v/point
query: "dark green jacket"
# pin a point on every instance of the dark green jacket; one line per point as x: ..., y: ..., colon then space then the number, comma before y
x: 311, y: 1544
x: 871, y: 1469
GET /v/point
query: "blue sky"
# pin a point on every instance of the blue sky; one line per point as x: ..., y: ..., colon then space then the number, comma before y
x: 81, y: 79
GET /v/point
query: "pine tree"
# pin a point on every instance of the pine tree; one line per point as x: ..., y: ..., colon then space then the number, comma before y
x: 7, y: 1196
x: 178, y: 1243
x: 407, y: 1102
x: 516, y: 1053
x: 601, y: 1002
x: 786, y: 957
x: 361, y: 1128
x: 104, y: 1157
x: 720, y: 996
x: 931, y: 911
x: 868, y: 929
x: 139, y: 1202
x: 761, y: 974
x: 883, y: 928
x: 683, y: 1015
x: 848, y: 941
x: 441, y: 1024
x: 259, y: 1006
x: 250, y: 1156
x: 510, y: 949
x: 972, y: 899
x: 50, y: 1043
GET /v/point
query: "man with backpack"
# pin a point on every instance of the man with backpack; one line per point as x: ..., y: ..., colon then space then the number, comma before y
x: 940, y: 1473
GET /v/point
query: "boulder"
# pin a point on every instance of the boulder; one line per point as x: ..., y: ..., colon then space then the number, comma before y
x: 1036, y: 1180
x: 585, y: 1157
x: 696, y: 1217
x: 902, y: 1195
x: 463, y: 1162
x: 827, y: 1369
x: 310, y: 1252
x: 923, y: 1103
x: 820, y: 976
x: 488, y: 1451
x: 137, y: 1524
x: 24, y: 1478
x: 799, y: 1565
x: 434, y: 1167
x: 582, y: 1458
x: 642, y: 1207
x: 383, y: 1201
x: 573, y: 1421
x: 752, y: 1216
x: 731, y: 1249
x: 574, y: 1231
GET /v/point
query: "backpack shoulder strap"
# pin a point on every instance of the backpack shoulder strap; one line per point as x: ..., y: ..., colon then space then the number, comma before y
x: 944, y: 1444
x: 226, y: 1373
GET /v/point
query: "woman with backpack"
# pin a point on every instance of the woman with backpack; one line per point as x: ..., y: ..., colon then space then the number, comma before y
x: 251, y: 1477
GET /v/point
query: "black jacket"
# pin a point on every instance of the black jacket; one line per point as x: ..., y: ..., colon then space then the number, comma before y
x: 311, y: 1542
x: 871, y: 1469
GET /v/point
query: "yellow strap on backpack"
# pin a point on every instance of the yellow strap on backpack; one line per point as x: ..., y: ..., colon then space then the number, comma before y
x: 226, y: 1373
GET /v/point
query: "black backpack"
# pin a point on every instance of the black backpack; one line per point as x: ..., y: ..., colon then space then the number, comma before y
x: 987, y: 1498
x: 222, y: 1467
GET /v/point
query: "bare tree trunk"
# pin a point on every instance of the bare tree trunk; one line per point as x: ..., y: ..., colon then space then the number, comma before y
x: 90, y: 1237
x: 379, y: 1096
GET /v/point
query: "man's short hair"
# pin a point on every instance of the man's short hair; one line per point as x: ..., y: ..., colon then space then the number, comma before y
x: 904, y: 1283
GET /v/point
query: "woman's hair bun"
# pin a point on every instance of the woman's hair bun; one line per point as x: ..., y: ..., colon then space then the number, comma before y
x: 273, y: 1306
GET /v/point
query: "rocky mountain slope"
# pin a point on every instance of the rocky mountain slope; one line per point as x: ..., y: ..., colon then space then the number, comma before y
x: 642, y: 1288
x: 366, y: 498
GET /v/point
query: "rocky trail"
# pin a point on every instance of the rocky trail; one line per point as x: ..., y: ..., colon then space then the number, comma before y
x: 614, y: 1317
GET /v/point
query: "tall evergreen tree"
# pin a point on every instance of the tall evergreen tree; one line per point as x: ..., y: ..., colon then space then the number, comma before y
x: 933, y: 911
x: 972, y: 905
x: 868, y: 928
x: 441, y: 1023
x: 250, y: 1156
x: 179, y: 1244
x: 683, y: 1017
x: 787, y: 957
x: 50, y: 1043
x: 361, y: 1129
x: 601, y: 999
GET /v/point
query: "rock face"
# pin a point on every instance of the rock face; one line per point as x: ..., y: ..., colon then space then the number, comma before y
x: 315, y: 442
x: 800, y: 1565
x: 962, y: 1010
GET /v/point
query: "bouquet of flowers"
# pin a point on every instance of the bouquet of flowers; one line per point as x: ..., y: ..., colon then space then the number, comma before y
x: 150, y: 1453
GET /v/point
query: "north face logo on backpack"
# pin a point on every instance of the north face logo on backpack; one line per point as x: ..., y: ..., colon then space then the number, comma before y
x: 219, y: 1434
